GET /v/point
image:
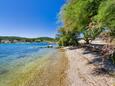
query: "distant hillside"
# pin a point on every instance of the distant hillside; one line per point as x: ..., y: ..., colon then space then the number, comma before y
x: 11, y: 38
x: 48, y: 39
x: 14, y: 39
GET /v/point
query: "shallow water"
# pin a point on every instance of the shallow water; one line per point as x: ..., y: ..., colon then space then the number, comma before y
x: 18, y: 61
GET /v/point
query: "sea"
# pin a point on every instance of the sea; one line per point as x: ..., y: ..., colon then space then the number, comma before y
x: 18, y: 60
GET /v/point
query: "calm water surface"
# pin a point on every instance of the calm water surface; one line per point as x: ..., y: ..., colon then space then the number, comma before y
x: 18, y: 58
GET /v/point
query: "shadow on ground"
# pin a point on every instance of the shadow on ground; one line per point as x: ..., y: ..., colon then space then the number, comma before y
x: 102, y: 67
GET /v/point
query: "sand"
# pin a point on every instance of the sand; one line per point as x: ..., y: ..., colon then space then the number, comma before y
x: 80, y: 72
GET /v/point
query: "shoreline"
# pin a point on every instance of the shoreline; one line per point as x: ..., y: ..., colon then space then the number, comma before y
x: 64, y: 67
x: 48, y: 70
x: 80, y: 72
x: 53, y: 73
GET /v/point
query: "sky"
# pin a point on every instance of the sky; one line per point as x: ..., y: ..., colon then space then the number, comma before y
x: 29, y: 18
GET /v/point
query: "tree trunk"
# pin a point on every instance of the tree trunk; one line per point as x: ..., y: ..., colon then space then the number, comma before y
x: 87, y: 41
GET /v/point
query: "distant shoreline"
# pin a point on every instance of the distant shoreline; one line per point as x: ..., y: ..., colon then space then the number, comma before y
x: 13, y: 39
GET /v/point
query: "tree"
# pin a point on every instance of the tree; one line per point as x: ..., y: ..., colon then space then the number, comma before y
x: 77, y: 16
x: 89, y: 17
x: 106, y: 16
x: 67, y: 38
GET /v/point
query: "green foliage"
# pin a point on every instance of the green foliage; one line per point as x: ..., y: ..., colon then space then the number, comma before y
x: 45, y: 39
x: 12, y: 38
x: 92, y: 33
x: 77, y: 15
x: 72, y: 15
x: 40, y: 39
x: 89, y: 17
x: 67, y: 38
x: 106, y: 16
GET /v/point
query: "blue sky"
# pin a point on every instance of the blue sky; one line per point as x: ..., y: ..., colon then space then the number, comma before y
x: 29, y: 18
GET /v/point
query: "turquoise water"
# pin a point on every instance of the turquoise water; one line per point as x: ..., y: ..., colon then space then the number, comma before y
x: 15, y: 58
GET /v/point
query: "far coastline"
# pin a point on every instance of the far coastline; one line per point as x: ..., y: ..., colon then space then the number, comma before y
x: 16, y: 39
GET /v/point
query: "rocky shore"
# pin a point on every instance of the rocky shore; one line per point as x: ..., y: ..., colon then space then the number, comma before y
x: 67, y: 67
x: 71, y: 67
x: 82, y: 72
